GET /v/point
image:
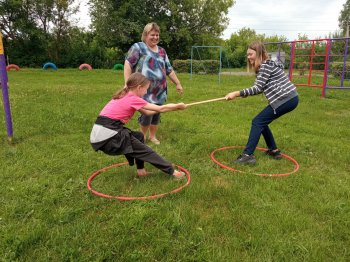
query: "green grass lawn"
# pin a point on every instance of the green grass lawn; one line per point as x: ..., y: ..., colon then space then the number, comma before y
x: 47, y: 213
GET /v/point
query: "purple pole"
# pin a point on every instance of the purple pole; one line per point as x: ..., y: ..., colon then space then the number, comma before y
x: 344, y: 63
x: 4, y: 88
x: 292, y: 47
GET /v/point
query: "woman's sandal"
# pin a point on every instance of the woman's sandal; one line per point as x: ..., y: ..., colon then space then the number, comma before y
x: 154, y: 141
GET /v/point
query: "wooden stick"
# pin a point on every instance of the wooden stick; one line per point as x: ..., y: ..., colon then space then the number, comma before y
x: 206, y: 101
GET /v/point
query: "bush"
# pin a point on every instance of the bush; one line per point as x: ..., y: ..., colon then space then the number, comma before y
x: 198, y: 66
x: 337, y: 70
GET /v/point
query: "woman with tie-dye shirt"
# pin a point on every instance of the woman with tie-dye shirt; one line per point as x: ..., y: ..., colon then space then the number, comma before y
x: 152, y: 61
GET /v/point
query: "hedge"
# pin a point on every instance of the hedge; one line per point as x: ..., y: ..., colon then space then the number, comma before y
x: 337, y: 70
x: 198, y: 66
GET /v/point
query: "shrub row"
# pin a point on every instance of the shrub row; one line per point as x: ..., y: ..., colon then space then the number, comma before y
x: 336, y: 70
x: 198, y: 66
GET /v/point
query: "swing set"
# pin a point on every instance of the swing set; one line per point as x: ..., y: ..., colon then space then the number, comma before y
x: 203, y: 67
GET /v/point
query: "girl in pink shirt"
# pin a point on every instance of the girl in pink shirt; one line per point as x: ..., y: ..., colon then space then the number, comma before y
x: 110, y: 136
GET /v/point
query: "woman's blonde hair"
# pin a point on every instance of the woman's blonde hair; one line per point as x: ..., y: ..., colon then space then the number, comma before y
x: 134, y: 80
x: 148, y: 28
x: 261, y: 55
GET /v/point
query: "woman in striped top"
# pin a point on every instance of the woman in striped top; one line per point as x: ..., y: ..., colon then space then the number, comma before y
x: 280, y: 93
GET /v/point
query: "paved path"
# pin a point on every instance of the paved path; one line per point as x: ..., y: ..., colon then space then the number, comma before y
x: 237, y: 73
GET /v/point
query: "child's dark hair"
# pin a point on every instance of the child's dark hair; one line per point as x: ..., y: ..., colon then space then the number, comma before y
x: 261, y: 55
x: 134, y: 80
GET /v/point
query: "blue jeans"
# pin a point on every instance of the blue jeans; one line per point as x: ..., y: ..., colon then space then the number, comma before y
x: 260, y: 125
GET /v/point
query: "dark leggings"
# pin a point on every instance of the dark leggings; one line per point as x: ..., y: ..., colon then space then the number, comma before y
x: 260, y: 125
x: 143, y: 153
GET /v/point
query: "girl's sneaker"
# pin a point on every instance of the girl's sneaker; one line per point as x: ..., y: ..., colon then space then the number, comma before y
x: 178, y: 175
x: 274, y: 154
x: 245, y: 159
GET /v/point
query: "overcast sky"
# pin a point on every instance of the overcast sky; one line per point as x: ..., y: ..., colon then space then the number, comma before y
x: 315, y: 18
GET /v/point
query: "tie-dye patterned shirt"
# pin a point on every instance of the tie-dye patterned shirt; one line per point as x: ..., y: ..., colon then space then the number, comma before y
x: 153, y: 65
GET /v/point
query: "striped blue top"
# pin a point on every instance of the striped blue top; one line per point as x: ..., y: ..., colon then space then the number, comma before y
x: 273, y: 82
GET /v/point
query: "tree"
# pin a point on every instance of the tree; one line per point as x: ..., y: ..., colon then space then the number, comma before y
x: 191, y: 22
x: 52, y: 17
x: 238, y: 43
x: 117, y: 23
x: 59, y: 17
x: 15, y: 18
x: 183, y: 23
x: 237, y: 46
x: 43, y: 13
x: 21, y: 32
x: 344, y: 17
x: 41, y: 26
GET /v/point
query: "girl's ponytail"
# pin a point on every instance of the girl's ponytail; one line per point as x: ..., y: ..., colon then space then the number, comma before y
x: 134, y: 80
x: 119, y: 94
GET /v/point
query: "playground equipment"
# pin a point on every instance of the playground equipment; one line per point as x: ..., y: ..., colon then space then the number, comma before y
x: 4, y: 89
x: 196, y: 50
x: 319, y: 63
x: 50, y: 65
x: 12, y: 66
x: 83, y: 66
x: 118, y: 66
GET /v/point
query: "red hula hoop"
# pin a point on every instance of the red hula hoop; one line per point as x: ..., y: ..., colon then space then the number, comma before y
x: 127, y: 198
x: 296, y: 168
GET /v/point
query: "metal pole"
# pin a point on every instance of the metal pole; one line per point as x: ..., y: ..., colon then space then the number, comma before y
x: 311, y: 62
x: 327, y: 60
x: 220, y: 65
x: 4, y: 89
x: 344, y: 63
x: 291, y: 62
x: 191, y: 61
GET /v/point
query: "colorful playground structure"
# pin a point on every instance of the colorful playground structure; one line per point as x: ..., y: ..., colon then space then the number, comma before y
x: 118, y: 67
x: 85, y: 66
x: 50, y: 65
x: 12, y: 66
x: 320, y: 63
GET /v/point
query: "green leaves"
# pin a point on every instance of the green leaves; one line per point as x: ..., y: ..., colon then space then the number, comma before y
x: 182, y: 23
